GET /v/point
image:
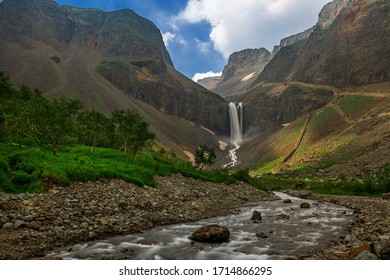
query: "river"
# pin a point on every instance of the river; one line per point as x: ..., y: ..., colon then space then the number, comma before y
x: 285, y: 230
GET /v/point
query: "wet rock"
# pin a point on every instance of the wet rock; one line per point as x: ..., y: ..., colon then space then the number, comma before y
x: 211, y: 234
x: 148, y: 242
x: 283, y: 216
x: 287, y: 201
x: 305, y: 205
x: 261, y: 235
x: 256, y: 216
x: 365, y: 255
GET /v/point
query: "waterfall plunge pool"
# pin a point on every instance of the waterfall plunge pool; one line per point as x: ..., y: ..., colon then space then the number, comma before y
x: 285, y: 230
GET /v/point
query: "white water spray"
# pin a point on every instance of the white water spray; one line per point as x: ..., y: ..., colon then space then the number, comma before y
x: 236, y: 124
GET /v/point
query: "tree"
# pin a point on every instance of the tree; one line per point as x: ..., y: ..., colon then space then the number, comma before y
x: 131, y: 130
x: 51, y: 121
x: 95, y: 129
x: 204, y: 156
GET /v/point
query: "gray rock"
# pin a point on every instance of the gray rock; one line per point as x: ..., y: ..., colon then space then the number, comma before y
x: 35, y: 225
x: 19, y: 224
x: 28, y: 218
x: 256, y: 216
x: 348, y: 238
x: 84, y: 225
x: 365, y: 255
x: 8, y: 226
x: 211, y: 234
x: 92, y: 235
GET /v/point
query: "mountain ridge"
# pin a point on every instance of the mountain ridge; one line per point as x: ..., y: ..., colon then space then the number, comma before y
x: 75, y: 52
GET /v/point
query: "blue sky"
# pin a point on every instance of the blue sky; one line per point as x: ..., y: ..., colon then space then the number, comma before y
x: 201, y: 34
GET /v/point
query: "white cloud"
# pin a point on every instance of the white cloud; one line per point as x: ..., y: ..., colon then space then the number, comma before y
x: 200, y: 76
x: 203, y: 47
x: 168, y: 37
x: 236, y: 25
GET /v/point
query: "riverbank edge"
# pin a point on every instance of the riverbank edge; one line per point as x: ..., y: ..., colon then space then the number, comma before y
x: 370, y: 232
x: 32, y: 225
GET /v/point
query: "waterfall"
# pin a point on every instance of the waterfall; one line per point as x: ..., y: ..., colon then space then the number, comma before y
x: 236, y: 124
x: 235, y: 128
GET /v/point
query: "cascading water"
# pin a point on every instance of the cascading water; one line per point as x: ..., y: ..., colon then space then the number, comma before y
x: 236, y: 121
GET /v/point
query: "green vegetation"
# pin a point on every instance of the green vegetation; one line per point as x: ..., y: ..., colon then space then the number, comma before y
x: 368, y: 186
x: 45, y: 142
x: 204, y: 156
x: 356, y: 106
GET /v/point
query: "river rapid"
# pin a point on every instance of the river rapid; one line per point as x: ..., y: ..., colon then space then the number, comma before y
x: 286, y: 230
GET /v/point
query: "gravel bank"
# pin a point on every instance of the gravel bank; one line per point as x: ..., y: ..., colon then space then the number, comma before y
x: 33, y: 224
x: 369, y: 236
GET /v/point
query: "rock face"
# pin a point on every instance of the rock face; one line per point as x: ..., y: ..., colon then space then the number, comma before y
x: 211, y: 234
x: 242, y: 69
x: 65, y: 51
x: 292, y: 40
x: 349, y: 46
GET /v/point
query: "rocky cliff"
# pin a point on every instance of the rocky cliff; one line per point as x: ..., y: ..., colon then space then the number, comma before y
x: 242, y: 69
x: 349, y: 46
x: 292, y: 40
x: 66, y: 51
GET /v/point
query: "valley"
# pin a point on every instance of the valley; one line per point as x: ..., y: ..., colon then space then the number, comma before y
x: 100, y: 136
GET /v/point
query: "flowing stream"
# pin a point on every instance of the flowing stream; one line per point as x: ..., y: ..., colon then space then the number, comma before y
x: 285, y: 230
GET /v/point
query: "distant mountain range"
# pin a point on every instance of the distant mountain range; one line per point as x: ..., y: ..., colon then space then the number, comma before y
x: 349, y: 45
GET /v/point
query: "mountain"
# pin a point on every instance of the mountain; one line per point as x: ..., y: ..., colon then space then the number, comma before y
x: 319, y: 108
x: 109, y: 60
x: 242, y: 69
x: 350, y: 46
x: 292, y: 40
x: 210, y: 83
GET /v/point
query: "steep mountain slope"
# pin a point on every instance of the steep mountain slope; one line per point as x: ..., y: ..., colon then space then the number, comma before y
x: 108, y: 60
x: 242, y: 69
x: 349, y: 46
x: 348, y: 138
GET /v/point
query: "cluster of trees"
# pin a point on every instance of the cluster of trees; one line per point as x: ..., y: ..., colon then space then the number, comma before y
x: 27, y: 116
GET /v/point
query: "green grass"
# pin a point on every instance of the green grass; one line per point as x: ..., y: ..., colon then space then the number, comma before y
x: 365, y: 187
x: 34, y: 169
x: 267, y: 167
x: 356, y: 106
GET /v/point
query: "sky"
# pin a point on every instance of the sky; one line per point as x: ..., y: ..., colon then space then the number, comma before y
x: 201, y: 34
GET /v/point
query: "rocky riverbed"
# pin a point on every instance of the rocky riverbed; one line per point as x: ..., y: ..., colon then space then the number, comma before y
x: 368, y: 237
x: 33, y: 224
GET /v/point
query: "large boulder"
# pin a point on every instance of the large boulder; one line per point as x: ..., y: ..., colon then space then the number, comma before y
x: 211, y: 234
